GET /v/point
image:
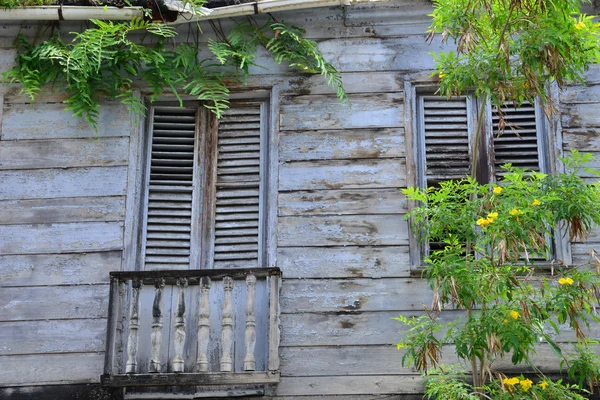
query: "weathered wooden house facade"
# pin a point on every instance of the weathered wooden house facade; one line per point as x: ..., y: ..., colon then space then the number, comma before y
x: 286, y: 215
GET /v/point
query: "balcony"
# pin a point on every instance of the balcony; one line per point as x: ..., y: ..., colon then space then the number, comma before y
x: 193, y: 327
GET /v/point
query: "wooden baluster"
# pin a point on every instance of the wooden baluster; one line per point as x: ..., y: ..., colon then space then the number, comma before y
x: 227, y: 323
x: 250, y: 360
x: 134, y: 325
x: 157, y: 319
x: 179, y: 338
x: 203, y: 325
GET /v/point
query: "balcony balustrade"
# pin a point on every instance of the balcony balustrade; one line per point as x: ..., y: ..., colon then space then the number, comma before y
x: 193, y: 327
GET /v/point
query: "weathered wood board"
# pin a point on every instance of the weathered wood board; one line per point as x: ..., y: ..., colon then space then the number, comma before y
x: 343, y: 174
x: 71, y: 336
x: 48, y: 211
x: 350, y: 385
x: 58, y: 269
x: 349, y: 230
x: 56, y: 238
x: 344, y: 262
x: 51, y: 121
x: 332, y: 295
x: 327, y: 112
x: 582, y: 139
x: 53, y: 302
x: 341, y: 202
x: 63, y: 153
x: 52, y: 183
x: 344, y: 144
x: 582, y: 115
x: 51, y: 369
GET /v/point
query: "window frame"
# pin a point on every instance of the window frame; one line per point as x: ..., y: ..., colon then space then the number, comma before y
x: 420, y: 83
x: 203, y: 223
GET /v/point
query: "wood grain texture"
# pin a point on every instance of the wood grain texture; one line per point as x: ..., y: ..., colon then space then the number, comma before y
x: 53, y: 302
x: 582, y: 139
x: 582, y: 115
x: 393, y: 294
x: 327, y: 112
x: 344, y: 144
x: 354, y: 82
x: 344, y: 262
x: 58, y: 269
x: 580, y: 94
x: 55, y: 392
x: 31, y: 337
x: 47, y: 211
x: 342, y: 174
x: 343, y: 230
x: 51, y: 369
x: 51, y: 121
x: 56, y: 238
x: 349, y: 385
x: 386, y: 360
x: 63, y: 153
x: 52, y: 183
x: 340, y: 202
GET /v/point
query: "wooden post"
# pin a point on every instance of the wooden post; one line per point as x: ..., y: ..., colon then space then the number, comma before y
x: 134, y: 325
x: 227, y: 323
x: 112, y: 329
x: 250, y: 360
x: 156, y: 336
x: 179, y: 338
x: 121, y: 323
x: 275, y: 282
x: 203, y: 325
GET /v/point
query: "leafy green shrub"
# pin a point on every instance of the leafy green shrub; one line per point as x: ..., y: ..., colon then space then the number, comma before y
x: 492, y: 236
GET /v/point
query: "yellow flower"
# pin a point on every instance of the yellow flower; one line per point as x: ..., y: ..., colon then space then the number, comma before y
x: 580, y: 25
x: 400, y: 346
x: 526, y: 384
x: 565, y: 281
x: 493, y: 215
x: 514, y: 315
x: 505, y: 321
x: 536, y: 202
x: 543, y: 385
x: 497, y: 190
x: 511, y: 381
x: 514, y: 212
x: 442, y: 75
x: 483, y: 222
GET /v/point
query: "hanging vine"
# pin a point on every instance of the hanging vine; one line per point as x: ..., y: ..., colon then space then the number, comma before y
x: 103, y: 62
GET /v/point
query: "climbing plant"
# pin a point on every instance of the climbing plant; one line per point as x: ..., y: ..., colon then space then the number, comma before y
x: 104, y: 62
x: 491, y: 236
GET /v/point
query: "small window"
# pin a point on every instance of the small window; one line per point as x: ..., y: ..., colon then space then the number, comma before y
x: 206, y: 189
x: 443, y: 145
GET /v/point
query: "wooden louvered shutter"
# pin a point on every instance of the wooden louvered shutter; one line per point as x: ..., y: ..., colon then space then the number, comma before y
x: 445, y: 125
x: 521, y: 143
x: 238, y: 227
x: 171, y: 182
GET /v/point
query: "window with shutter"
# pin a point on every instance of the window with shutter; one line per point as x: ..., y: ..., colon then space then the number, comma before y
x: 206, y: 187
x: 443, y: 134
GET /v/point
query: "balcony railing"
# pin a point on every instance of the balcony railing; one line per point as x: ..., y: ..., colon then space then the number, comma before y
x: 193, y: 327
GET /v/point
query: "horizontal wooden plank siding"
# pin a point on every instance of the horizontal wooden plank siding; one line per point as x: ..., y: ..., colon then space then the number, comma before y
x: 53, y: 302
x: 51, y: 369
x: 339, y: 202
x: 344, y: 144
x: 343, y: 174
x: 343, y: 230
x: 327, y: 112
x: 344, y: 262
x: 332, y: 295
x: 63, y: 153
x: 55, y: 238
x: 52, y: 183
x: 51, y: 121
x: 349, y: 385
x: 72, y: 336
x: 58, y: 269
x: 47, y: 211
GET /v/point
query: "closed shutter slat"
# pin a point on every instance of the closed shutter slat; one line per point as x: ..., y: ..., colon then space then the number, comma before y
x: 446, y: 138
x: 169, y: 210
x: 518, y: 143
x: 237, y: 212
